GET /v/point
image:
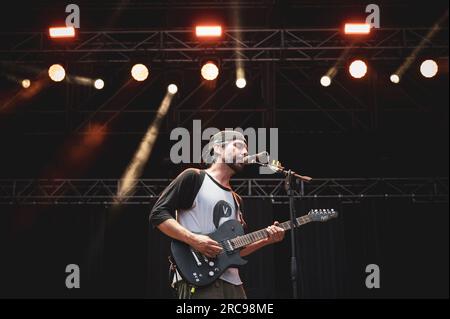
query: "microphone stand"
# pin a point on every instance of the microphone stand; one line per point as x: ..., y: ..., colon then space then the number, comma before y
x: 290, y: 175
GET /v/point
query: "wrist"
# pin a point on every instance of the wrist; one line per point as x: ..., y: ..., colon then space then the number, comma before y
x: 190, y: 238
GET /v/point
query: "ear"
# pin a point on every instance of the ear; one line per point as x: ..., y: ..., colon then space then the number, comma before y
x: 218, y: 149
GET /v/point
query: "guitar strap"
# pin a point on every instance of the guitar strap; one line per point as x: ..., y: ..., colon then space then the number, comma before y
x: 239, y: 214
x: 181, y: 289
x: 172, y: 271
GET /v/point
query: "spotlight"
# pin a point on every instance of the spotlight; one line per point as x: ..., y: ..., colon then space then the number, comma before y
x: 325, y: 80
x: 395, y: 78
x: 428, y: 68
x: 139, y: 72
x: 56, y: 72
x: 62, y: 32
x: 357, y: 28
x: 26, y: 83
x: 172, y: 89
x: 99, y: 84
x: 240, y: 77
x: 209, y: 71
x: 208, y: 31
x: 241, y: 83
x: 358, y: 69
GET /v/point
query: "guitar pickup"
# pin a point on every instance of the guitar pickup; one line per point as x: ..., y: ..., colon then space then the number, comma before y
x: 228, y: 246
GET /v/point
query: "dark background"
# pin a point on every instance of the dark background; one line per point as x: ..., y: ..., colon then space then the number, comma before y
x: 120, y: 255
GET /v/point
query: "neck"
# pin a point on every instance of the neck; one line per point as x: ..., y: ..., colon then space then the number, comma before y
x: 245, y: 240
x: 221, y: 173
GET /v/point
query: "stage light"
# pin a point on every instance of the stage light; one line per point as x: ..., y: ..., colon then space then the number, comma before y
x: 139, y: 72
x: 395, y: 78
x: 56, y: 72
x: 26, y: 83
x: 358, y: 69
x: 208, y: 31
x: 62, y: 32
x: 428, y: 68
x: 209, y: 71
x: 99, y: 84
x: 357, y: 28
x: 241, y: 83
x: 172, y: 89
x: 325, y: 80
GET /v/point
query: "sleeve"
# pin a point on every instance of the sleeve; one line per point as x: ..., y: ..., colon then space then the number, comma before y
x: 180, y: 194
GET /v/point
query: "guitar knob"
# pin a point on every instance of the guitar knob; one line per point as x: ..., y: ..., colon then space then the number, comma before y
x: 216, y: 269
x: 211, y: 273
x: 211, y: 263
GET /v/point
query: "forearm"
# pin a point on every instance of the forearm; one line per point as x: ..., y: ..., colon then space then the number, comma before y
x: 173, y: 229
x: 253, y: 247
x: 201, y: 243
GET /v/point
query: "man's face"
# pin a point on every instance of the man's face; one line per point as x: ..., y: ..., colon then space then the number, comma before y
x: 234, y: 153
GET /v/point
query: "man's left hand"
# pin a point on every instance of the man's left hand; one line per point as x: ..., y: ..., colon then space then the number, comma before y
x: 276, y: 233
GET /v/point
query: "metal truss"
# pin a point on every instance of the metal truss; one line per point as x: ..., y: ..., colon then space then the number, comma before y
x: 102, y: 191
x: 284, y: 57
x: 342, y: 109
x: 252, y: 45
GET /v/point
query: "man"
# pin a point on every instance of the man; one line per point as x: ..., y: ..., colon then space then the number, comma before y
x: 201, y: 200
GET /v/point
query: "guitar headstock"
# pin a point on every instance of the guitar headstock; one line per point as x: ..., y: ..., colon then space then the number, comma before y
x: 322, y: 215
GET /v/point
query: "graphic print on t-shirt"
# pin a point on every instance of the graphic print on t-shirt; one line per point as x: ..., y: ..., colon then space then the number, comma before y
x: 221, y: 210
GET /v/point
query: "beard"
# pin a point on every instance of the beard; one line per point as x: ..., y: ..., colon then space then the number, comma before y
x: 236, y: 167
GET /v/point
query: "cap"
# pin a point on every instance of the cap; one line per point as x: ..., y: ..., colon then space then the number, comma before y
x: 223, y: 137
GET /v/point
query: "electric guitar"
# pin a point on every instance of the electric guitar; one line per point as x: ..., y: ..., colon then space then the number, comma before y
x: 200, y: 270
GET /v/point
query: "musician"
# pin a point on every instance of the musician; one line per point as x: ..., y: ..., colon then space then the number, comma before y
x: 197, y: 202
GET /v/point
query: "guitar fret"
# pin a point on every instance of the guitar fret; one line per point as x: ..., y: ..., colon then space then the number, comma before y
x: 250, y: 238
x: 263, y: 234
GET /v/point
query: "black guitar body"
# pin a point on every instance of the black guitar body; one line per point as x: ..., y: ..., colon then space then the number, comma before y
x: 200, y: 270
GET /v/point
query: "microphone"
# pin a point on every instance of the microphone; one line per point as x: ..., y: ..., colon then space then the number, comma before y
x: 261, y: 158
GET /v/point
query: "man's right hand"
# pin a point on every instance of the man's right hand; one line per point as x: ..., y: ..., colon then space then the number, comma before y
x: 205, y: 245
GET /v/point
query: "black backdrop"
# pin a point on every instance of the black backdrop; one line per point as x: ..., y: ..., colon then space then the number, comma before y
x: 120, y: 255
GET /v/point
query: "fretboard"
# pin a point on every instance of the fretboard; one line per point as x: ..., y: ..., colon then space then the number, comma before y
x: 245, y: 240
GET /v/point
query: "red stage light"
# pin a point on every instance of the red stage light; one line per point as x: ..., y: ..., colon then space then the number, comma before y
x: 62, y: 32
x: 357, y: 28
x: 208, y: 31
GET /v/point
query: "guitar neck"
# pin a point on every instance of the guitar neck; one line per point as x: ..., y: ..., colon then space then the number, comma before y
x: 250, y: 238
